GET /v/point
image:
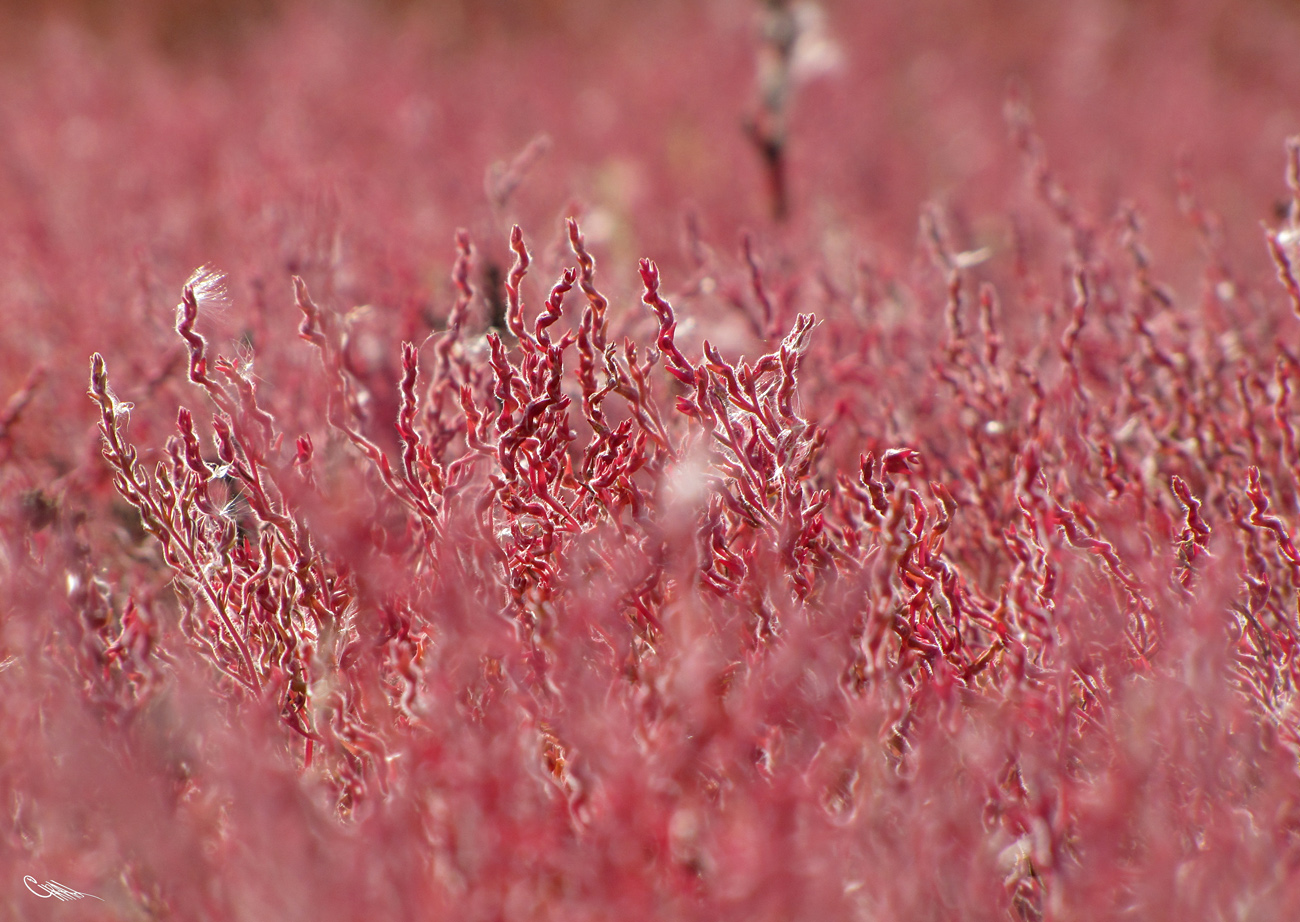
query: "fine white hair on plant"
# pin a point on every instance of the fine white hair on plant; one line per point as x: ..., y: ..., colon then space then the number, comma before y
x: 209, y: 287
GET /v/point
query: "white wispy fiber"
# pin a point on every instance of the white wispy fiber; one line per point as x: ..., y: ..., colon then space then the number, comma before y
x: 209, y: 287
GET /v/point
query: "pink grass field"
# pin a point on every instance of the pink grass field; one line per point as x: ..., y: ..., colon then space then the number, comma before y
x: 650, y: 460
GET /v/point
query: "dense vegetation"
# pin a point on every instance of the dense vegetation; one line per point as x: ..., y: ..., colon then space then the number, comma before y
x: 533, y: 468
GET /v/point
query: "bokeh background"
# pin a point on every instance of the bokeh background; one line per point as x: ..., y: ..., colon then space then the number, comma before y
x: 154, y: 127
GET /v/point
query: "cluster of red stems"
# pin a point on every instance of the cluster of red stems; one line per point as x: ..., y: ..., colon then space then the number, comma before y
x: 614, y: 545
x: 832, y: 579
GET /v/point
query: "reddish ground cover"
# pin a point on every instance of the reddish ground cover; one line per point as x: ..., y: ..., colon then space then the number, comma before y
x: 570, y: 488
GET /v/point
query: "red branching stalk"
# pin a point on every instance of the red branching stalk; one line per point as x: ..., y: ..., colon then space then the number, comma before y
x: 1261, y: 518
x: 187, y: 546
x: 1194, y: 539
x: 1282, y: 244
x: 1070, y: 338
x: 677, y: 365
x: 317, y: 328
x: 514, y: 306
x: 282, y: 609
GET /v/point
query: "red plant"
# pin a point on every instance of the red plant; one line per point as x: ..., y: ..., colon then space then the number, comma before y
x: 788, y: 585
